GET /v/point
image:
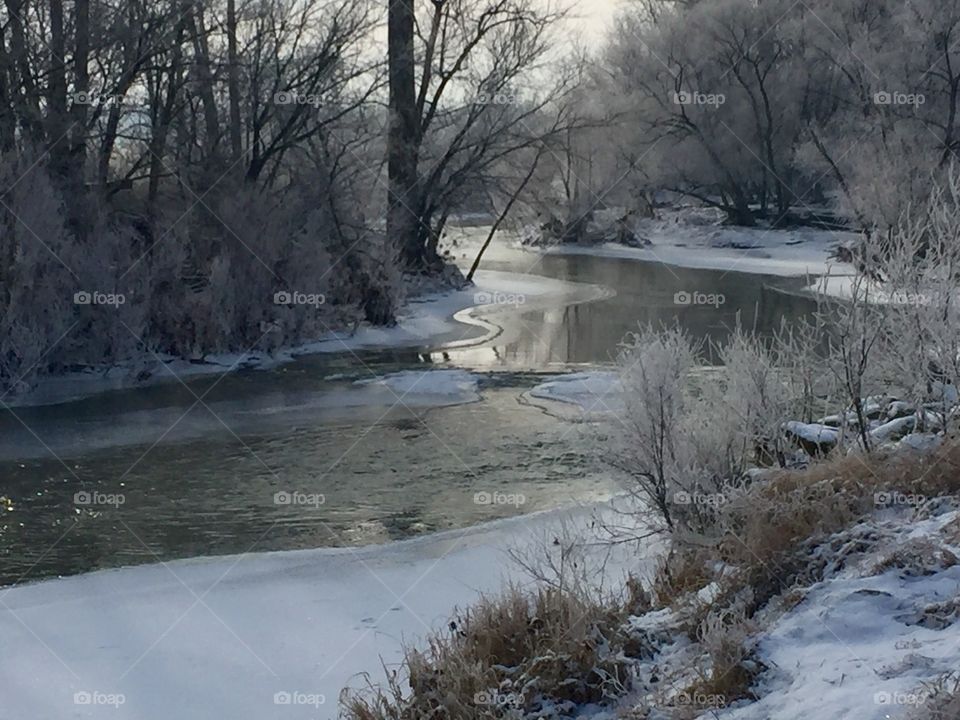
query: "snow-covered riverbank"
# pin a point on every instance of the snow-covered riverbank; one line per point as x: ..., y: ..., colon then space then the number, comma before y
x: 871, y: 642
x: 448, y: 320
x: 236, y: 637
x: 696, y: 239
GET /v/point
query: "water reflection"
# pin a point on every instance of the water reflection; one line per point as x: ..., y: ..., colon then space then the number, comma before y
x: 645, y: 293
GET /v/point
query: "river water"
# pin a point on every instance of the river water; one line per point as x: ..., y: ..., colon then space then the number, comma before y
x: 202, y: 478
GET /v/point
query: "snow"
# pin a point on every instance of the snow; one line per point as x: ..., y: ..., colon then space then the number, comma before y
x: 851, y: 648
x: 426, y: 319
x: 685, y: 239
x: 449, y: 386
x: 920, y: 442
x: 813, y: 432
x: 450, y: 319
x: 845, y: 285
x: 220, y: 637
x: 894, y: 429
x: 592, y: 391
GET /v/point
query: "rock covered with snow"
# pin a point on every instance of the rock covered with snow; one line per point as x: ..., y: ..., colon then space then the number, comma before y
x: 814, y: 438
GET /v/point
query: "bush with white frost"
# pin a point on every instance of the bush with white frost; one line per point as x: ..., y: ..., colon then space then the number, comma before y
x: 690, y: 432
x: 248, y: 269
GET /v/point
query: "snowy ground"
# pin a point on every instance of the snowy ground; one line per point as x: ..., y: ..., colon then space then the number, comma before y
x: 844, y: 286
x: 857, y: 646
x: 694, y: 239
x: 236, y: 637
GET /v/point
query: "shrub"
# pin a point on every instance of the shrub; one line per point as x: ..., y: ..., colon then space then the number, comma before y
x: 509, y: 653
x: 193, y: 282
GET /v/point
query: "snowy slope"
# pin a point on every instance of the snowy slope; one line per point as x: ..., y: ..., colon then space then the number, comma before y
x: 221, y: 637
x: 858, y: 645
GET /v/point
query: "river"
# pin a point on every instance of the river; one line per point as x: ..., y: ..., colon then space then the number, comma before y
x: 201, y: 478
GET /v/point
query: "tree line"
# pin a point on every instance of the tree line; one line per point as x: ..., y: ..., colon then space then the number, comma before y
x: 202, y: 159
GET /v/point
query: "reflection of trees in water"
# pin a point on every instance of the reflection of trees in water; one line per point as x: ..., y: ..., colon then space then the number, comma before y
x: 591, y: 332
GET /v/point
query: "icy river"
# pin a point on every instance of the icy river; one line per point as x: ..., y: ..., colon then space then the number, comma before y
x: 348, y: 448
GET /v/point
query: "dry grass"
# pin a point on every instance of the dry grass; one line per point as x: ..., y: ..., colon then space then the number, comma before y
x: 771, y: 532
x: 725, y: 636
x: 678, y: 573
x: 942, y: 700
x: 918, y: 557
x: 638, y: 599
x: 505, y: 655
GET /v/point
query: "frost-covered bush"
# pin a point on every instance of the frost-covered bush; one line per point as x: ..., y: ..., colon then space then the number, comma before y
x: 897, y: 330
x: 36, y: 295
x: 242, y: 269
x: 920, y: 271
x: 251, y: 277
x: 652, y: 446
x: 690, y: 432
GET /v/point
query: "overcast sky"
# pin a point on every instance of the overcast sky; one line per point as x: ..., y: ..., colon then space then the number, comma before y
x: 593, y: 16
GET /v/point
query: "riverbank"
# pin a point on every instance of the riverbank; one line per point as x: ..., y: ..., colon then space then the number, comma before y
x: 698, y: 240
x: 455, y: 319
x: 230, y: 636
x: 779, y: 257
x: 823, y: 593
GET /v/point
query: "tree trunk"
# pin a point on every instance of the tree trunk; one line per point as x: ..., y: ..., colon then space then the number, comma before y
x: 8, y: 116
x: 23, y: 88
x: 233, y: 81
x: 57, y: 94
x: 403, y: 140
x: 81, y: 82
x: 204, y: 88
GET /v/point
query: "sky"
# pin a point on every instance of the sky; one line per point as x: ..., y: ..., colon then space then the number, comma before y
x: 593, y: 17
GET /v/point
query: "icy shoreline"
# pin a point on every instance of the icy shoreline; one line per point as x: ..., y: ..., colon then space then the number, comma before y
x: 689, y: 240
x: 222, y: 637
x: 452, y: 319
